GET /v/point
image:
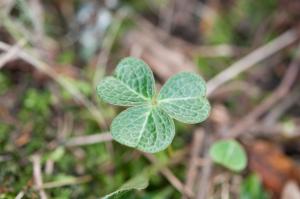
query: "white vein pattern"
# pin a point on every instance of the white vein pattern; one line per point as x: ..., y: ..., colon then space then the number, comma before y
x: 183, y: 98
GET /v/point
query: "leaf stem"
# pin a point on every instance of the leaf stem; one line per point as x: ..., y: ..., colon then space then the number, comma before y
x: 170, y: 151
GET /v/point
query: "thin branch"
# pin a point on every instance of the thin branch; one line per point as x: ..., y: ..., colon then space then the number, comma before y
x: 37, y: 175
x: 203, y: 182
x: 89, y: 139
x: 293, y: 97
x: 275, y: 131
x: 251, y: 59
x: 204, y: 178
x: 66, y: 182
x: 11, y: 54
x: 193, y: 164
x: 282, y: 90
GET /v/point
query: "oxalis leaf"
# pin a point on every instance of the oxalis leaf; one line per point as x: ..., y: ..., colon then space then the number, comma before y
x: 144, y: 127
x: 183, y: 98
x: 230, y: 154
x: 137, y: 183
x: 132, y: 84
x: 148, y: 126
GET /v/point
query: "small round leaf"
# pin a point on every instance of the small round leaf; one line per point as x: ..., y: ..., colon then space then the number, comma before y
x: 183, y: 98
x: 132, y: 84
x: 146, y: 128
x: 230, y: 154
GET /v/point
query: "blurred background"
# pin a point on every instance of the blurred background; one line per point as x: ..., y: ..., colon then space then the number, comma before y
x: 54, y: 130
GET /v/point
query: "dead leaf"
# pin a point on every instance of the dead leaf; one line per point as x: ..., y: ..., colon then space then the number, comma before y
x: 24, y: 136
x: 272, y: 165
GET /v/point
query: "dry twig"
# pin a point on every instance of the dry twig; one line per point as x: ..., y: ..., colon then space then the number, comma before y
x: 88, y: 139
x: 37, y: 174
x: 282, y: 107
x: 251, y: 59
x: 11, y: 54
x: 61, y: 183
x: 204, y: 178
x: 193, y: 164
x: 278, y: 131
x: 282, y: 90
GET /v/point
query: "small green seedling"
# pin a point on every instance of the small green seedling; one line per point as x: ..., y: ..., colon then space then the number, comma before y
x: 230, y: 154
x: 148, y: 124
x: 252, y: 187
x: 137, y: 183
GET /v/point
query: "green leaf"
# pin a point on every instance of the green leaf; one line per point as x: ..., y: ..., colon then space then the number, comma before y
x: 146, y: 128
x: 137, y: 183
x: 183, y: 98
x: 137, y: 74
x: 133, y: 84
x: 230, y: 154
x: 149, y: 126
x: 252, y: 187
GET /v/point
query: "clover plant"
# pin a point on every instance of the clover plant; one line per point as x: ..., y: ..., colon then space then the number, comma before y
x: 148, y: 124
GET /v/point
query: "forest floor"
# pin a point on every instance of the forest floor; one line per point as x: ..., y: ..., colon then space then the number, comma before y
x: 54, y: 129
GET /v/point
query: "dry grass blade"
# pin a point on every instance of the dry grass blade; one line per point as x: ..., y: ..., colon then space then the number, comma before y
x: 203, y: 183
x: 11, y: 54
x: 193, y: 164
x: 20, y: 195
x: 282, y: 90
x: 45, y: 68
x: 37, y: 174
x: 273, y: 116
x: 251, y: 59
x: 89, y: 139
x: 71, y: 181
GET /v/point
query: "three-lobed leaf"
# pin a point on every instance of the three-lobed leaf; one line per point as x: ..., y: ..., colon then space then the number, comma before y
x: 230, y: 154
x: 148, y: 126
